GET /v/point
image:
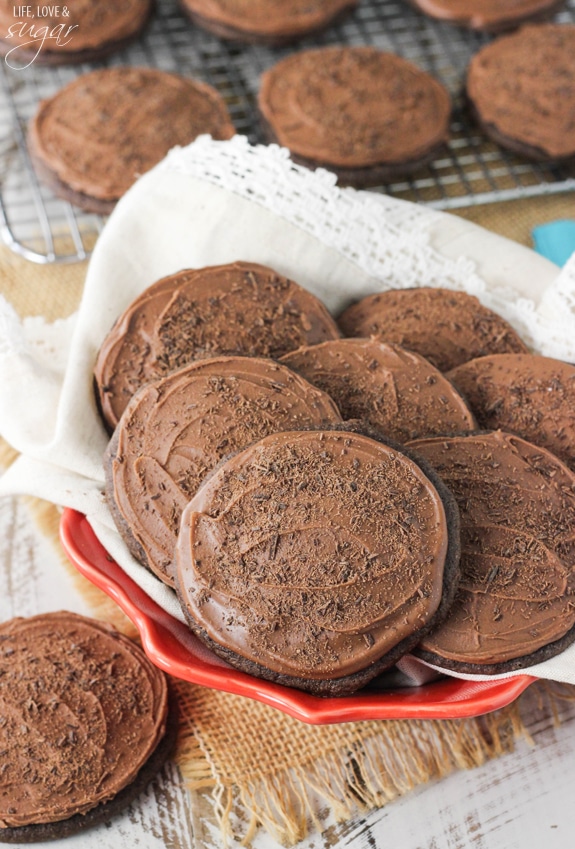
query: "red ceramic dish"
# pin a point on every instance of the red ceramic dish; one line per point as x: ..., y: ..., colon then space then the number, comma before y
x: 172, y: 647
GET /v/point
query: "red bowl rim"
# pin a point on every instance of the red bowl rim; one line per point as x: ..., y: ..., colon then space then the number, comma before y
x: 170, y: 645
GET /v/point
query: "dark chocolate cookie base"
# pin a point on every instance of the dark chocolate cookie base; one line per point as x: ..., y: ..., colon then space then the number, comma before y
x: 515, y: 664
x: 346, y: 685
x: 363, y: 177
x: 62, y: 190
x: 124, y: 529
x: 244, y: 36
x: 531, y: 152
x: 105, y: 811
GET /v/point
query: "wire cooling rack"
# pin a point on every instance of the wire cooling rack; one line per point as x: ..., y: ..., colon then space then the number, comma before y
x: 45, y: 229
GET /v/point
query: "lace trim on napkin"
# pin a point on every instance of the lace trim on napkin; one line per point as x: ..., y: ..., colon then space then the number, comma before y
x: 386, y: 237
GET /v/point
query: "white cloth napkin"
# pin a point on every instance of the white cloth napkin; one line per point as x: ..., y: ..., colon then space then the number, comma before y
x: 216, y: 202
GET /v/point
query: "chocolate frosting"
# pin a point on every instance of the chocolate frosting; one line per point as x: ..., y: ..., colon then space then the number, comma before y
x: 517, y: 505
x: 394, y: 390
x: 488, y: 15
x: 81, y: 710
x: 240, y: 308
x: 354, y: 107
x: 177, y: 429
x: 523, y: 90
x: 312, y: 554
x: 106, y: 128
x: 90, y: 23
x: 444, y: 326
x: 267, y: 18
x: 525, y: 394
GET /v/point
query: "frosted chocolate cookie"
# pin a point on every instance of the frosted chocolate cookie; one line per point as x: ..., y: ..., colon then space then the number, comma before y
x: 86, y: 31
x: 522, y: 91
x: 271, y: 22
x: 516, y: 603
x: 365, y: 114
x: 85, y: 725
x: 97, y: 135
x: 317, y: 559
x: 493, y: 16
x: 177, y: 429
x: 525, y: 394
x: 445, y: 327
x: 393, y: 390
x: 241, y: 308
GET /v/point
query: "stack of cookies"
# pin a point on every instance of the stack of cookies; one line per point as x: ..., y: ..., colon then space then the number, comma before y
x: 324, y: 504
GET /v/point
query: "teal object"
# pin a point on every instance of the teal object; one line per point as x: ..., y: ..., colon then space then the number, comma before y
x: 555, y: 241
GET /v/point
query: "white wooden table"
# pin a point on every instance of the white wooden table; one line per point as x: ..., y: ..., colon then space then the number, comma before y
x: 525, y: 800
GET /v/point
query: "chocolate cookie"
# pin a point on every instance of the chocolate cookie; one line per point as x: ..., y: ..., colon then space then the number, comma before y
x: 272, y: 22
x: 97, y: 135
x: 525, y: 394
x: 364, y: 114
x: 516, y: 603
x: 240, y: 308
x: 84, y: 31
x: 317, y: 559
x: 522, y: 90
x: 85, y: 725
x: 176, y: 430
x: 445, y: 327
x: 493, y: 16
x: 395, y: 391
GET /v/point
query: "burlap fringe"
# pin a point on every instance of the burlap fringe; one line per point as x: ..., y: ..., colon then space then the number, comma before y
x: 368, y: 773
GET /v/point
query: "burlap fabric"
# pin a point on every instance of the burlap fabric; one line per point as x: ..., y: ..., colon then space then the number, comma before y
x: 259, y: 767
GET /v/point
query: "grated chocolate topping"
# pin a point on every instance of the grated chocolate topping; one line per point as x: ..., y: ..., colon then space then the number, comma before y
x: 313, y: 554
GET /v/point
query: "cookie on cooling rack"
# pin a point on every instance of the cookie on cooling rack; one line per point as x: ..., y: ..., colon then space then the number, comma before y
x: 177, y: 429
x: 84, y: 31
x: 367, y: 115
x: 317, y: 559
x: 394, y: 390
x: 521, y: 88
x: 240, y: 308
x: 272, y: 22
x: 526, y: 394
x: 493, y: 16
x: 444, y: 326
x: 97, y: 135
x: 516, y: 601
x: 85, y: 725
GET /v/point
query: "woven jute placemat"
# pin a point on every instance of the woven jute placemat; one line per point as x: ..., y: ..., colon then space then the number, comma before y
x: 260, y: 767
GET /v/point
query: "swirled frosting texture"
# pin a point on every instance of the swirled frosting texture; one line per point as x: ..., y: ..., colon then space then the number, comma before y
x: 525, y: 394
x: 177, y: 429
x: 106, y: 128
x: 240, y: 308
x: 523, y: 89
x: 354, y: 107
x: 489, y: 15
x: 90, y: 24
x: 81, y: 710
x: 445, y: 327
x: 517, y: 506
x: 312, y: 554
x: 267, y: 19
x: 394, y: 390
